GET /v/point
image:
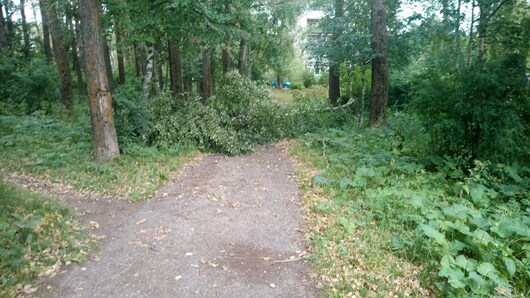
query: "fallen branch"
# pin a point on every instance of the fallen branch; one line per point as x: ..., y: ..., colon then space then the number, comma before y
x: 349, y: 103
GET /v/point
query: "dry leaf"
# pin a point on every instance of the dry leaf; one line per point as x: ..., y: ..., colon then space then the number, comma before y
x: 141, y: 221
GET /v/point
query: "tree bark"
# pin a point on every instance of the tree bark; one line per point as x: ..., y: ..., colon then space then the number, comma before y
x: 334, y: 66
x: 25, y: 29
x: 158, y: 70
x: 4, y: 42
x: 9, y: 19
x: 363, y: 92
x: 458, y: 52
x: 379, y: 101
x: 45, y: 32
x: 470, y: 41
x: 175, y: 67
x: 148, y: 74
x: 226, y: 54
x: 108, y: 65
x: 61, y: 58
x: 242, y: 53
x: 104, y: 136
x: 482, y: 29
x: 75, y: 56
x: 119, y: 54
x: 206, y: 82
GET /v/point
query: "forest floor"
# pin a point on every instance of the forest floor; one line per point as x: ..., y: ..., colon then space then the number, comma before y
x: 227, y: 226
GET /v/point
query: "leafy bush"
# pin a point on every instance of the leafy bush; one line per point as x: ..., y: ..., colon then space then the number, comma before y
x: 35, y: 234
x: 476, y: 113
x: 132, y: 118
x: 308, y: 79
x: 237, y: 119
x: 27, y: 87
x: 470, y: 224
x: 297, y: 86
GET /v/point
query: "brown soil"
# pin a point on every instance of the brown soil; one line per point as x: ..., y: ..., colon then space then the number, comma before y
x: 227, y: 227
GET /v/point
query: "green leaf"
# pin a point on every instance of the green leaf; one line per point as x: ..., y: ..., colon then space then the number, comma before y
x: 477, y: 283
x: 510, y: 265
x: 457, y: 210
x: 466, y: 264
x: 319, y: 180
x: 418, y: 201
x: 455, y: 277
x: 483, y: 237
x: 433, y: 233
x: 365, y: 172
x: 487, y: 269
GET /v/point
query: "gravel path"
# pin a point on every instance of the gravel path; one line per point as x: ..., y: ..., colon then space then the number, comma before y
x: 216, y: 232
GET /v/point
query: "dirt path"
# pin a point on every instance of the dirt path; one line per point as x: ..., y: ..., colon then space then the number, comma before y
x: 214, y: 233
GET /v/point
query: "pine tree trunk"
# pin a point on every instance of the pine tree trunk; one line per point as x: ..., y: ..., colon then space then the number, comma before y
x: 4, y: 42
x: 175, y: 67
x: 206, y: 82
x: 158, y: 72
x: 242, y: 53
x: 25, y: 29
x: 104, y: 136
x: 61, y: 58
x: 379, y: 101
x: 45, y: 32
x: 119, y: 54
x: 148, y: 75
x: 334, y: 67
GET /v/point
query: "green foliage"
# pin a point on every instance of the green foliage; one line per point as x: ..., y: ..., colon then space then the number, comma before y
x: 35, y: 234
x: 237, y: 119
x: 475, y: 113
x: 469, y: 223
x: 308, y: 79
x: 27, y: 87
x: 131, y: 116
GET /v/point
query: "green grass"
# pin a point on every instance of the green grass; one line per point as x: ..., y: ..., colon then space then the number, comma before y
x: 37, y: 234
x: 387, y: 219
x: 61, y: 151
x: 283, y: 95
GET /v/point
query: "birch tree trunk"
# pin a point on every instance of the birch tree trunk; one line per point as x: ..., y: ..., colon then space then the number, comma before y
x: 104, y: 137
x: 4, y: 42
x: 148, y: 74
x: 379, y: 100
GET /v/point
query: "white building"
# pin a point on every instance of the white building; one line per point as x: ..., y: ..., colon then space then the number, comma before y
x: 305, y: 32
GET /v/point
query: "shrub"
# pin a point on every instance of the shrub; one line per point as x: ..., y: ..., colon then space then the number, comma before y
x: 27, y: 87
x: 132, y: 118
x: 476, y: 113
x: 308, y: 79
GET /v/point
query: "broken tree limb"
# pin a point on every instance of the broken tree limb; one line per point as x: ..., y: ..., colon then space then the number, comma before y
x: 349, y: 103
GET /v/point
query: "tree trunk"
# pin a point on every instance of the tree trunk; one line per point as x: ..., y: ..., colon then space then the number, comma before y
x: 142, y: 59
x: 458, y: 52
x: 158, y: 71
x: 61, y: 58
x: 379, y: 101
x: 175, y: 67
x: 334, y: 66
x: 108, y: 65
x: 9, y: 19
x: 45, y: 32
x: 363, y: 92
x: 242, y: 53
x: 148, y: 75
x: 119, y: 54
x: 226, y: 54
x: 4, y: 42
x: 470, y: 41
x: 25, y: 29
x: 206, y: 82
x: 104, y: 136
x: 75, y: 56
x: 482, y: 29
x: 278, y: 82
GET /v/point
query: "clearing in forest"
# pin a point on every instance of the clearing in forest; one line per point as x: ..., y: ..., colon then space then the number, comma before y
x: 228, y: 227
